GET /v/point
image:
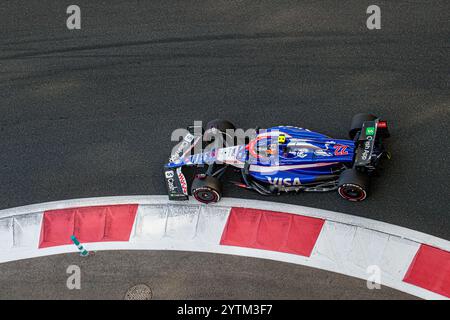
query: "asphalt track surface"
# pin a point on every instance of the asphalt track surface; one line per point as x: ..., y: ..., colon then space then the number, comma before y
x: 90, y: 112
x: 179, y: 275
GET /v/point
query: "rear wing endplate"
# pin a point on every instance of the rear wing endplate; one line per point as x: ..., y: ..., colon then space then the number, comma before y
x: 366, y: 144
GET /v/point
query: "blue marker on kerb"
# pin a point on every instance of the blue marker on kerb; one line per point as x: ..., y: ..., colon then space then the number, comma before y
x: 83, y: 251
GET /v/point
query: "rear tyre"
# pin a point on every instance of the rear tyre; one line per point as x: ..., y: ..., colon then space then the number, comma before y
x: 206, y: 189
x: 357, y: 123
x: 353, y: 185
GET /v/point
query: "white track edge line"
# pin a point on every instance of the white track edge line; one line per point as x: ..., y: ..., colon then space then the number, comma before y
x: 229, y: 250
x: 369, y: 224
x: 338, y: 217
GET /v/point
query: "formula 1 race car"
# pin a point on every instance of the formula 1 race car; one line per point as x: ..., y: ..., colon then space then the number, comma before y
x: 278, y: 159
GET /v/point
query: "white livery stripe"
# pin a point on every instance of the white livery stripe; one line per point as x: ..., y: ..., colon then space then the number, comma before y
x: 264, y: 169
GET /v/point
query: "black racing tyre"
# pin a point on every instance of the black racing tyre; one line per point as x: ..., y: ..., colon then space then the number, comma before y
x: 206, y: 189
x: 353, y: 185
x: 358, y: 121
x: 221, y: 125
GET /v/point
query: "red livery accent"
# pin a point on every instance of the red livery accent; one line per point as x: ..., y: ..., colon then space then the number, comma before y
x: 183, y: 182
x: 88, y: 224
x: 270, y: 230
x: 340, y: 150
x: 430, y: 270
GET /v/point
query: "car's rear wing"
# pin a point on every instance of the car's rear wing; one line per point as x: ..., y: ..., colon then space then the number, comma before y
x: 372, y: 131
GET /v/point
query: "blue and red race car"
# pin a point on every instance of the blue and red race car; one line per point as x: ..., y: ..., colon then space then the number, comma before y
x: 278, y: 159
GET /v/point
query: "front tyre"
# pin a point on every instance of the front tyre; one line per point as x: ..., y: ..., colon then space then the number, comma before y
x: 220, y: 125
x: 221, y: 131
x: 353, y: 185
x: 206, y: 189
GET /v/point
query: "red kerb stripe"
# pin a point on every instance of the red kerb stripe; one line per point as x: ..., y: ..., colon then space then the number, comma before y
x: 430, y: 270
x: 88, y: 224
x: 270, y: 230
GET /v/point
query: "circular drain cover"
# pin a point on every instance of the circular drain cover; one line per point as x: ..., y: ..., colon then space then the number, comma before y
x: 139, y: 292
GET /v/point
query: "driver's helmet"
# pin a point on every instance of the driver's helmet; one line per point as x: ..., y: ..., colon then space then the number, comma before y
x: 268, y: 150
